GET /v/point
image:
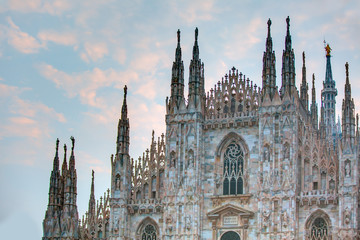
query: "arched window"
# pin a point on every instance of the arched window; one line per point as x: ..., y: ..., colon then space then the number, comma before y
x: 319, y: 230
x: 149, y: 233
x: 230, y: 236
x: 233, y: 169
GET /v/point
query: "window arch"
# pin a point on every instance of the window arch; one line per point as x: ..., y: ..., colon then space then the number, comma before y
x: 231, y: 235
x: 319, y: 230
x: 233, y: 182
x: 149, y: 233
x: 318, y: 226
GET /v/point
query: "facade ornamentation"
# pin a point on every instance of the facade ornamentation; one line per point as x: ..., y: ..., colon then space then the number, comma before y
x: 238, y: 162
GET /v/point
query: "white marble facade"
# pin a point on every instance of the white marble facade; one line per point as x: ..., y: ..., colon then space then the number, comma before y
x: 238, y: 162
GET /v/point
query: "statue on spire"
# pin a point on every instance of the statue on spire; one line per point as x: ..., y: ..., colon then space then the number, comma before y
x: 196, y: 33
x: 328, y: 50
x: 178, y: 35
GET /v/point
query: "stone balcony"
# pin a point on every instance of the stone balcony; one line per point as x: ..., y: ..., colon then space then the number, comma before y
x: 318, y: 197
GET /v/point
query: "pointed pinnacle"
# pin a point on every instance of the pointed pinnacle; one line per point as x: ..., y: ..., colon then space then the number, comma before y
x: 347, y: 71
x: 196, y: 34
x: 303, y: 54
x: 178, y: 35
x: 288, y: 24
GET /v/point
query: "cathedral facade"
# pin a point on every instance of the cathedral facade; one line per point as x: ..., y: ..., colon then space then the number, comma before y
x: 237, y: 162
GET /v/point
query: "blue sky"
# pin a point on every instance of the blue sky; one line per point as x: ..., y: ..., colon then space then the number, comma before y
x: 63, y: 65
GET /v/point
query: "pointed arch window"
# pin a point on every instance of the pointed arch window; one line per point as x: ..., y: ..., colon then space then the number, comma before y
x: 319, y: 230
x: 149, y: 233
x: 233, y: 170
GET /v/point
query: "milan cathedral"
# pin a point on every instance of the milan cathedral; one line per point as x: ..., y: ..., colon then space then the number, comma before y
x: 237, y: 162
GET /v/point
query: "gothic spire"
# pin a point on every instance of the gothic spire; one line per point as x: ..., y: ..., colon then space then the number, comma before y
x: 304, y: 96
x: 288, y: 65
x: 348, y: 112
x: 72, y: 156
x: 123, y: 140
x: 328, y: 95
x: 269, y: 71
x: 196, y: 78
x: 91, y: 210
x: 56, y: 158
x: 64, y: 165
x: 124, y: 106
x: 177, y: 78
x: 313, y: 107
x: 196, y: 46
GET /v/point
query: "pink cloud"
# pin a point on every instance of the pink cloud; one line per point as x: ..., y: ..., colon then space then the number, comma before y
x: 65, y: 38
x: 21, y: 41
x: 53, y: 7
x: 94, y: 51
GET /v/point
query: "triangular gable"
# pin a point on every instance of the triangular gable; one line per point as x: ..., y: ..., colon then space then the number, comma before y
x: 227, y: 208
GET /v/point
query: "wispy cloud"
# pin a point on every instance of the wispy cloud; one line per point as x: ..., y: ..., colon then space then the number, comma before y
x: 20, y: 40
x: 53, y: 7
x: 62, y: 38
x: 94, y: 51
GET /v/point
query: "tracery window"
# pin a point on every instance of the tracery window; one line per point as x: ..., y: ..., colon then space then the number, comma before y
x: 319, y: 230
x: 233, y: 170
x: 149, y: 233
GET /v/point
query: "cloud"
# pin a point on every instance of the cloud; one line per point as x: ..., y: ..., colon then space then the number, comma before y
x: 85, y: 85
x: 65, y: 38
x: 52, y: 7
x: 94, y: 51
x: 22, y: 41
x: 197, y: 11
x: 26, y: 121
x: 244, y: 38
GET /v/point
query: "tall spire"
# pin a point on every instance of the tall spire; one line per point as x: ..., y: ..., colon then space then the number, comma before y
x: 196, y: 78
x: 124, y: 106
x: 348, y: 113
x: 196, y: 46
x: 56, y: 158
x: 313, y: 107
x: 64, y: 165
x: 328, y: 95
x: 269, y: 70
x: 288, y: 65
x: 72, y: 156
x: 177, y: 78
x: 304, y: 96
x: 91, y: 210
x: 123, y: 139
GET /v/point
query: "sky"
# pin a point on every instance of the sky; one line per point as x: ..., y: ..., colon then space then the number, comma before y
x: 63, y: 66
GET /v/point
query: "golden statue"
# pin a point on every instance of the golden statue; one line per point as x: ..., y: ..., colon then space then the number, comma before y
x: 328, y: 50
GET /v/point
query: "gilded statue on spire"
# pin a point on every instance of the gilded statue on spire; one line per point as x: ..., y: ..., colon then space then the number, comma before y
x: 328, y: 50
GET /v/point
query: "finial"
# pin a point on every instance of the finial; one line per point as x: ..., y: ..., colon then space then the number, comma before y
x: 125, y: 91
x: 347, y: 69
x: 57, y: 145
x: 196, y: 33
x: 303, y: 54
x: 73, y: 143
x: 288, y: 22
x: 328, y: 50
x: 92, y: 174
x: 269, y: 23
x: 178, y: 35
x: 313, y: 79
